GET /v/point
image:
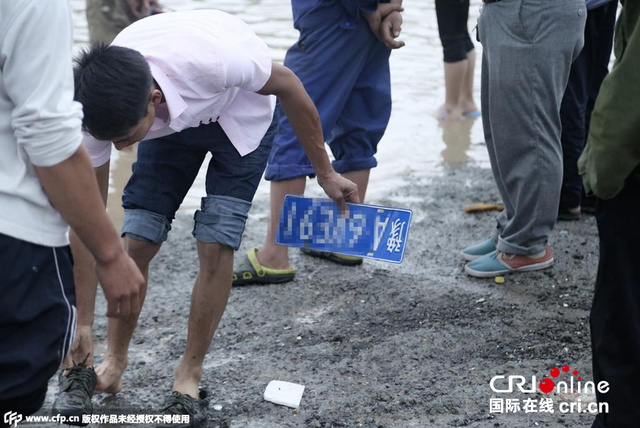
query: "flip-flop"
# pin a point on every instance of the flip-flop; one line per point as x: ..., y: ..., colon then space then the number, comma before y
x: 442, y: 115
x: 250, y: 271
x: 472, y: 113
x: 341, y: 259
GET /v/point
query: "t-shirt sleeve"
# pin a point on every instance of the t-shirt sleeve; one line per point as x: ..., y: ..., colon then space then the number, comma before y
x: 38, y: 78
x: 248, y: 66
x: 99, y: 150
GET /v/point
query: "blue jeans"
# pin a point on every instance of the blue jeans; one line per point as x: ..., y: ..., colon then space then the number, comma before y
x: 165, y: 170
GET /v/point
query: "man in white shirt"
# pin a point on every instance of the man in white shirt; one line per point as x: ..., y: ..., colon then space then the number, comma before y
x: 46, y: 184
x: 186, y: 84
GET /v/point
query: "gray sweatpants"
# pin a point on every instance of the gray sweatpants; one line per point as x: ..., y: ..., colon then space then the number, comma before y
x: 528, y: 48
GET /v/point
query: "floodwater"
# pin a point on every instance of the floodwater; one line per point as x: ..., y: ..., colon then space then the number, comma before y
x: 415, y: 146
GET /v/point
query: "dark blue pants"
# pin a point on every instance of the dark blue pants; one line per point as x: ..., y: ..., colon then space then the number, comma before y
x: 37, y: 320
x: 615, y: 314
x: 345, y: 70
x: 587, y: 73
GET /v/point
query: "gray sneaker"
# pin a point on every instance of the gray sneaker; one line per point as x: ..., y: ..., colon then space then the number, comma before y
x: 183, y: 404
x: 76, y: 390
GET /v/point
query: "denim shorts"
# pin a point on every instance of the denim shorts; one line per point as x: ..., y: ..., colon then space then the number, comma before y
x: 165, y: 170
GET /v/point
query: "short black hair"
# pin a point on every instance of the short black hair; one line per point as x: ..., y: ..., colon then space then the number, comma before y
x: 113, y: 85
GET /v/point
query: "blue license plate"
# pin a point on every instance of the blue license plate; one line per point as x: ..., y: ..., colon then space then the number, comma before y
x: 375, y: 232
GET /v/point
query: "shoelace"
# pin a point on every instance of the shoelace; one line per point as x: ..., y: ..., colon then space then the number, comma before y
x: 83, y: 376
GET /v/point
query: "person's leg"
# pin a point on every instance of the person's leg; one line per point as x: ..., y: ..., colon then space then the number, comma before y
x: 454, y: 75
x: 467, y: 103
x: 525, y: 122
x: 37, y: 321
x: 603, y: 20
x: 120, y: 331
x: 165, y: 169
x: 208, y: 302
x: 343, y: 54
x: 361, y: 178
x: 231, y: 184
x: 573, y: 110
x: 615, y: 319
x: 452, y: 27
x: 271, y: 254
x: 487, y: 94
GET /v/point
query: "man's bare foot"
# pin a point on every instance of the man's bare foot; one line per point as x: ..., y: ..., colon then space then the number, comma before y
x: 273, y: 259
x: 468, y: 107
x: 110, y: 374
x: 449, y: 113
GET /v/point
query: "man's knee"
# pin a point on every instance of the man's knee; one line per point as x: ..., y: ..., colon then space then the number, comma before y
x: 142, y: 252
x: 214, y: 257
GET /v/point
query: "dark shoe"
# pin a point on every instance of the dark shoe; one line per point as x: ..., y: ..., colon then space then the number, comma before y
x: 341, y: 259
x: 185, y: 405
x: 589, y: 204
x: 250, y: 271
x: 569, y: 214
x: 76, y: 390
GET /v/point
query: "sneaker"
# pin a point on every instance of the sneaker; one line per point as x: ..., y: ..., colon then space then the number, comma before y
x: 184, y: 404
x: 569, y: 214
x: 498, y: 263
x: 478, y: 250
x: 76, y: 390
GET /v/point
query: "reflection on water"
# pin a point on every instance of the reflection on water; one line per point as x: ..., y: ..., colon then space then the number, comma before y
x: 414, y: 144
x: 456, y: 135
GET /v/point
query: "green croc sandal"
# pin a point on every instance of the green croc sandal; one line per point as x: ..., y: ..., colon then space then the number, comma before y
x: 341, y: 259
x: 251, y: 271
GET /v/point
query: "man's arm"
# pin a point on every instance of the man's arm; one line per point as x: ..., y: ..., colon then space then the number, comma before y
x: 84, y: 269
x: 46, y: 121
x: 86, y: 279
x: 304, y: 119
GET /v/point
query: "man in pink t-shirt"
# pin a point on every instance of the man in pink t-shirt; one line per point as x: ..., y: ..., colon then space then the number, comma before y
x: 185, y: 84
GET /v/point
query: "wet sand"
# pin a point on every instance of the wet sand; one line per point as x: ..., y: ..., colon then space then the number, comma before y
x: 411, y: 345
x: 380, y: 345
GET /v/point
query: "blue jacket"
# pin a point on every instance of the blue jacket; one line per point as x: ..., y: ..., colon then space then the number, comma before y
x: 349, y: 9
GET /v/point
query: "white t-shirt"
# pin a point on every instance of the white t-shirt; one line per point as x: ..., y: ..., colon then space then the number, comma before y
x: 39, y: 121
x: 209, y: 66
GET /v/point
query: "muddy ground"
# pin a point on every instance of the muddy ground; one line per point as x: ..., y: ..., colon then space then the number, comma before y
x: 381, y: 345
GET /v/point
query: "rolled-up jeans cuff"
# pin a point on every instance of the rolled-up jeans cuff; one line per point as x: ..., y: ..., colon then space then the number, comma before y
x: 221, y: 220
x: 145, y: 225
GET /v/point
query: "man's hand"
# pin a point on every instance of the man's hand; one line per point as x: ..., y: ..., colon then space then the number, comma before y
x: 339, y: 189
x: 121, y: 282
x: 390, y: 29
x: 376, y: 17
